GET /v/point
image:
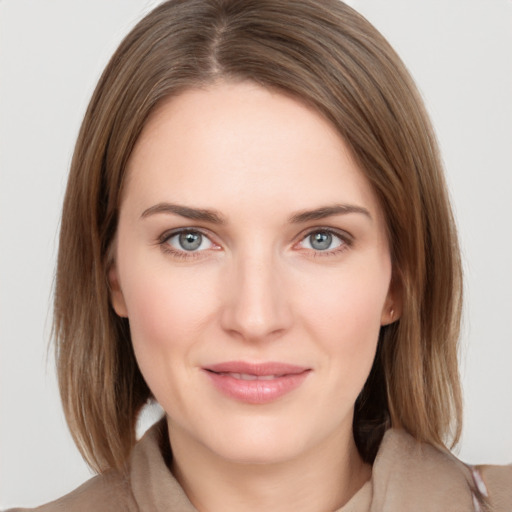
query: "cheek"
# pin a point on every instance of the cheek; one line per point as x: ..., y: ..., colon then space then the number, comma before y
x: 345, y: 319
x: 167, y: 312
x: 350, y: 301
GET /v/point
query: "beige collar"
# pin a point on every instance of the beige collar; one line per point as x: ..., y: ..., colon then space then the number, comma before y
x: 407, y: 476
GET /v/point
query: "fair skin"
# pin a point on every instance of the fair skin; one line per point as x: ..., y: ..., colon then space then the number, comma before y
x: 288, y: 303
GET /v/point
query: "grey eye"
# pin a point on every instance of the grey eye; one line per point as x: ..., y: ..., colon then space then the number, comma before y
x: 190, y: 241
x: 320, y: 240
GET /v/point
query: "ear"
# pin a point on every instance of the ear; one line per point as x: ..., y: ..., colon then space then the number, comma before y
x: 116, y: 294
x: 392, y: 309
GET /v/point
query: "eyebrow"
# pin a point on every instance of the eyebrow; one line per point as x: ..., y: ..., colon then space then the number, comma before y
x: 327, y: 211
x: 200, y: 214
x: 214, y: 217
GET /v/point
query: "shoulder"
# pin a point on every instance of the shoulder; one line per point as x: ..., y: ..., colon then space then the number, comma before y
x: 107, y: 492
x: 148, y: 484
x: 409, y: 472
x: 495, y: 483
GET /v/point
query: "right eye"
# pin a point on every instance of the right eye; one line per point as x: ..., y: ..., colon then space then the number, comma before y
x: 188, y: 241
x: 322, y: 241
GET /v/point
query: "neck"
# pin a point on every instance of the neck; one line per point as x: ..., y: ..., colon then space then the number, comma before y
x: 323, y: 479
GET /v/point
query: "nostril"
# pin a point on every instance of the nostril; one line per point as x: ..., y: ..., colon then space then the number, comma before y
x: 255, y: 305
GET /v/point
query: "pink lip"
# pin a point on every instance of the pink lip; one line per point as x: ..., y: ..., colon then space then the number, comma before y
x: 268, y: 381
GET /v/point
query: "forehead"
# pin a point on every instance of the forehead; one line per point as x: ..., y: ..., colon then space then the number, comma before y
x: 242, y: 144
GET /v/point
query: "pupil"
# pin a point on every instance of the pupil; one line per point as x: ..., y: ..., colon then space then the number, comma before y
x: 321, y: 241
x: 190, y: 241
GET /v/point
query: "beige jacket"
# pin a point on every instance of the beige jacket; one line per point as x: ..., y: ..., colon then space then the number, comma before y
x: 407, y: 477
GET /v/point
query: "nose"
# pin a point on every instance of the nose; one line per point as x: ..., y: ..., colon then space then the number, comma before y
x: 256, y: 304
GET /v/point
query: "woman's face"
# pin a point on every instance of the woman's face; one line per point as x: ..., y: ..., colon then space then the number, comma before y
x: 252, y: 262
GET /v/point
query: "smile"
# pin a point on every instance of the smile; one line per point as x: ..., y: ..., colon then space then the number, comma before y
x: 256, y: 383
x: 248, y: 376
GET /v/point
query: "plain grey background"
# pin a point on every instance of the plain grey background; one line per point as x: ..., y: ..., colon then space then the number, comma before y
x: 51, y: 55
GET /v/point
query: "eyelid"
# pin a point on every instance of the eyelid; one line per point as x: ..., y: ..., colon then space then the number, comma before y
x: 346, y: 238
x: 180, y: 253
x: 188, y: 229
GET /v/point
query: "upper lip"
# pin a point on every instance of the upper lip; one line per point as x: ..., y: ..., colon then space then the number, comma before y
x: 258, y: 369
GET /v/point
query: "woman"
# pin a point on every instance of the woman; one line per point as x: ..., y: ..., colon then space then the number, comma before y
x: 256, y: 233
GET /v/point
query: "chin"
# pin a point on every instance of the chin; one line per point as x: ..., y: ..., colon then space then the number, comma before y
x: 260, y: 451
x: 262, y: 440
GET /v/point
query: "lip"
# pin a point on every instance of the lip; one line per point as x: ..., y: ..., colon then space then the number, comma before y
x: 256, y: 383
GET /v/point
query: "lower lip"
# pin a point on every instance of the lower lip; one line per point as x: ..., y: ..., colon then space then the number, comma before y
x: 256, y: 391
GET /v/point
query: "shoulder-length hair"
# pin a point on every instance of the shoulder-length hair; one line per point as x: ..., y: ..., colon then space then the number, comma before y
x: 327, y: 55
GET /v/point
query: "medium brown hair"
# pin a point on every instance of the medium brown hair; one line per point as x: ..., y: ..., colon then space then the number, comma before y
x: 325, y: 54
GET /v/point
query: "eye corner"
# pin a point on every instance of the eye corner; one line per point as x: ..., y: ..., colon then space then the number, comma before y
x: 326, y: 237
x: 172, y: 242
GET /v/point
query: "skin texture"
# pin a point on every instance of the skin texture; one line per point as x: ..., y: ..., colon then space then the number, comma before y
x: 256, y: 290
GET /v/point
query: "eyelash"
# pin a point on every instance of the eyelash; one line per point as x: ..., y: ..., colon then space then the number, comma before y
x: 346, y: 242
x: 182, y: 255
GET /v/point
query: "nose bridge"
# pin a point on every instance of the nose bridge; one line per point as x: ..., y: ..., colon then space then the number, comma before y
x: 257, y: 305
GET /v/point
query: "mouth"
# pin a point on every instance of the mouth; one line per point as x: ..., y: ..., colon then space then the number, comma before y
x: 249, y: 376
x: 258, y: 383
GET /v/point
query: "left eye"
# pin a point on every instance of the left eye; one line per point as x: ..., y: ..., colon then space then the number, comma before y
x: 189, y: 241
x: 322, y: 241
